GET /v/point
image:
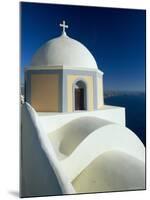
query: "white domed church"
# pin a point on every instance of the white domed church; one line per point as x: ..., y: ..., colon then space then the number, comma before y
x: 66, y: 152
x: 64, y: 77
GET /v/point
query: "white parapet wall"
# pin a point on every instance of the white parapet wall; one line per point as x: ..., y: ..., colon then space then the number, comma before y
x: 53, y: 121
x: 104, y: 139
x: 61, y: 150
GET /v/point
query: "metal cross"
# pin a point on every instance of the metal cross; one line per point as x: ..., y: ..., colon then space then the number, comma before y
x: 64, y: 26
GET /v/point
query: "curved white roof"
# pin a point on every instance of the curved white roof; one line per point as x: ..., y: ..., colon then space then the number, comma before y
x: 64, y: 51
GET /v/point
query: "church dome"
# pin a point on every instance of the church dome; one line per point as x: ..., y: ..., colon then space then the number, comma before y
x: 64, y: 51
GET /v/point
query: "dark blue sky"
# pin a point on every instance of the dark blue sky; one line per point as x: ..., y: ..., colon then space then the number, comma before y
x: 115, y: 37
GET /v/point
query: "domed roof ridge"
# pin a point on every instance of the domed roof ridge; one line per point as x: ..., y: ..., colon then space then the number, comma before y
x: 64, y: 51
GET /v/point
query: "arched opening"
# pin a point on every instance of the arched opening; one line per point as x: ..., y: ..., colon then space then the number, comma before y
x: 80, y: 99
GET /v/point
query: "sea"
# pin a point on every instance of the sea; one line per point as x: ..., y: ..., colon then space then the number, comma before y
x: 135, y: 106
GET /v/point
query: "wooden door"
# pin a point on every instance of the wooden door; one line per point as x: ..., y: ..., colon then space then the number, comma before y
x: 79, y: 99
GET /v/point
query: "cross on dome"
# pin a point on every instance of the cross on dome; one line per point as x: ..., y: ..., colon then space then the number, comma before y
x: 64, y: 26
